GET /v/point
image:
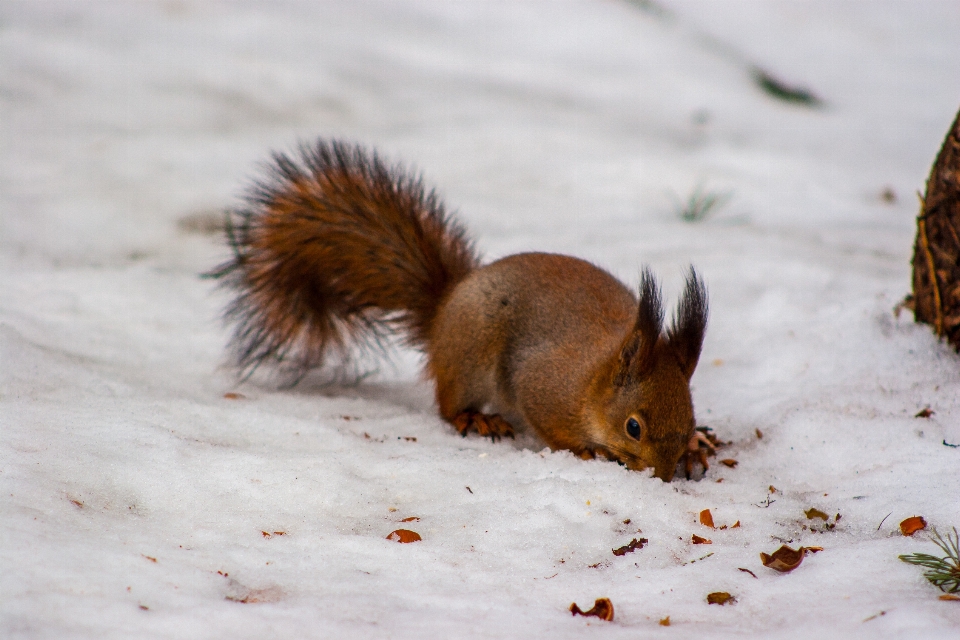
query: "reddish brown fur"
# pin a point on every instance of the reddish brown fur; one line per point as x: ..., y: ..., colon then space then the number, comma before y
x: 335, y: 247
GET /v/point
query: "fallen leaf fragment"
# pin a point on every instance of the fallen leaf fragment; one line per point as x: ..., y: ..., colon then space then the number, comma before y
x: 246, y: 595
x: 950, y: 596
x: 698, y: 540
x: 720, y: 597
x: 813, y: 512
x: 150, y: 558
x: 411, y: 519
x: 230, y: 395
x: 404, y: 535
x: 665, y: 622
x: 736, y: 525
x: 913, y: 524
x: 730, y: 462
x: 786, y: 559
x: 747, y: 571
x: 145, y: 607
x: 636, y: 543
x: 925, y: 413
x: 759, y: 434
x: 602, y: 609
x: 706, y: 518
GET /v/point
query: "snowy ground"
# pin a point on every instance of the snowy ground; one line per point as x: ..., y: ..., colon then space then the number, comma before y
x: 135, y: 495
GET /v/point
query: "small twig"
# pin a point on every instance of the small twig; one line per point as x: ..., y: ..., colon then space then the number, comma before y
x: 765, y: 504
x: 876, y: 615
x: 884, y: 520
x: 697, y: 560
x: 747, y: 571
x: 947, y: 444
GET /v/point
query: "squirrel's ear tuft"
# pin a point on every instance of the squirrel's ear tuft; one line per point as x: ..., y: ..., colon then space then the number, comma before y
x: 637, y: 353
x: 689, y: 324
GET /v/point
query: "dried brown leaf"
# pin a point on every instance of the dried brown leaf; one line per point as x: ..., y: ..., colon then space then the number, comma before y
x: 913, y: 524
x: 404, y: 535
x: 759, y: 434
x: 813, y: 512
x: 730, y: 462
x: 925, y: 413
x: 706, y: 518
x: 720, y: 597
x: 698, y: 540
x: 665, y: 622
x: 950, y: 596
x: 411, y: 519
x: 230, y: 395
x: 636, y: 543
x: 786, y: 559
x: 602, y: 609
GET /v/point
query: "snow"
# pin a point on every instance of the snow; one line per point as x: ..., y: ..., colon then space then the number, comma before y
x: 136, y: 496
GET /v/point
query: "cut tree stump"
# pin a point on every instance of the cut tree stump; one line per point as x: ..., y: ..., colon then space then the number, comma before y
x: 936, y: 251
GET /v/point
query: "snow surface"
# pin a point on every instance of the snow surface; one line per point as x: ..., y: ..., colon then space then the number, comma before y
x: 135, y: 495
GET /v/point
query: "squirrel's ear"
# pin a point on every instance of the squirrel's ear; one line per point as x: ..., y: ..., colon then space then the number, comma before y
x: 686, y: 333
x: 636, y: 355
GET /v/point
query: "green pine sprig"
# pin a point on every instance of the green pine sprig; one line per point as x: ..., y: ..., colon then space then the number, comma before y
x: 942, y: 572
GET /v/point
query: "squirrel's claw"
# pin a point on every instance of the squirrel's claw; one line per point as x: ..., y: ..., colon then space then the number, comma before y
x: 486, y: 425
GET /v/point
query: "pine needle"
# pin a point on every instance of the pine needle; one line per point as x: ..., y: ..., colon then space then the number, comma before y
x: 942, y: 572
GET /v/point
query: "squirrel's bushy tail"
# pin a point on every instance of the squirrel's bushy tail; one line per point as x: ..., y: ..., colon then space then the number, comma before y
x: 334, y: 247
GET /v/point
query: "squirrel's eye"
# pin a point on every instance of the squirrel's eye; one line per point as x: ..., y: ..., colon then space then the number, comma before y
x: 633, y: 428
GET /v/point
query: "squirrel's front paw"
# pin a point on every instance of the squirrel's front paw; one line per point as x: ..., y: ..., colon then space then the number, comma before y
x: 486, y: 425
x: 701, y: 444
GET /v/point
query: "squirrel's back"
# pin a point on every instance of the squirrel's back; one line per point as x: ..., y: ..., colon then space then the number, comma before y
x: 335, y: 247
x: 538, y: 325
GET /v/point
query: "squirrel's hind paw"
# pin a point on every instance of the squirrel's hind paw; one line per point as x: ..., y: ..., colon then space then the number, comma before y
x: 486, y: 425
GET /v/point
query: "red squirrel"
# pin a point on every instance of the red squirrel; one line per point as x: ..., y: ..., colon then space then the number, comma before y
x: 335, y: 247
